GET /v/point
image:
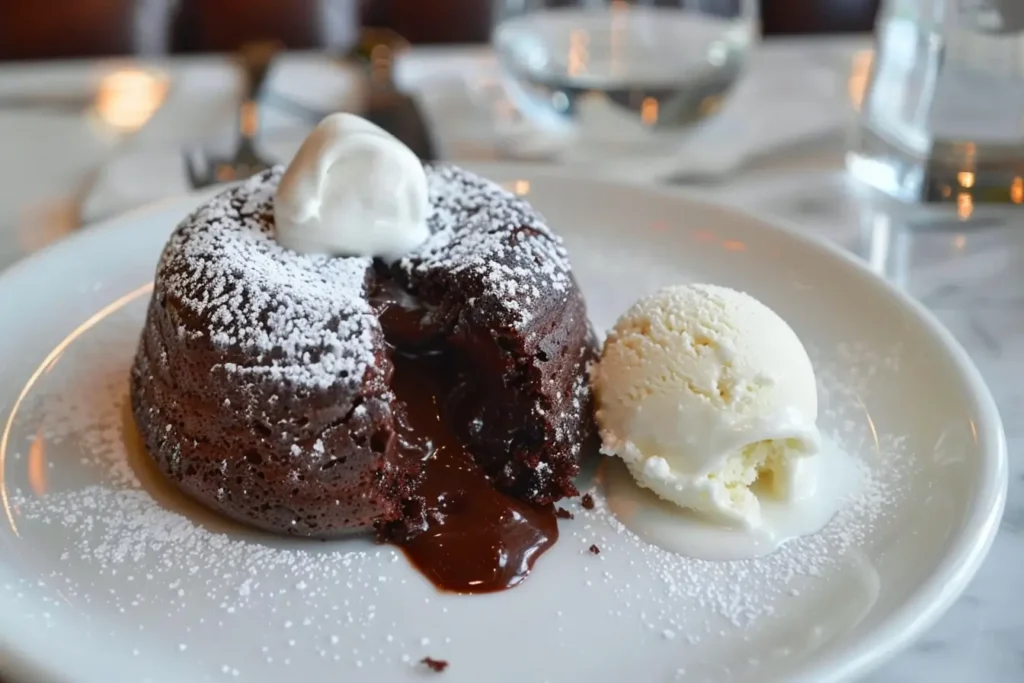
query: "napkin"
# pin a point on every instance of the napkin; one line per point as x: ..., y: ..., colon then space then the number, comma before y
x: 786, y: 97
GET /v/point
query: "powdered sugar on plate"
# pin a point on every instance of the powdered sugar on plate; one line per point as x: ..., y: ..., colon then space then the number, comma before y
x: 135, y: 548
x: 742, y: 592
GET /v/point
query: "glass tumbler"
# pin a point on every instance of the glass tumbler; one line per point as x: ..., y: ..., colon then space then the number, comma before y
x: 942, y: 116
x: 627, y: 74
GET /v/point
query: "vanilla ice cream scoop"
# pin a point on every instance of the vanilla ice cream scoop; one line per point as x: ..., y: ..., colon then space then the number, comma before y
x: 704, y: 393
x: 354, y: 190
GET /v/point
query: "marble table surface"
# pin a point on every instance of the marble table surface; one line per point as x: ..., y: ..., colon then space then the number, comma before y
x: 969, y: 272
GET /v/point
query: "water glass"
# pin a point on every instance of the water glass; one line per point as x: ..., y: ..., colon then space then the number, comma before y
x: 942, y: 116
x: 614, y: 72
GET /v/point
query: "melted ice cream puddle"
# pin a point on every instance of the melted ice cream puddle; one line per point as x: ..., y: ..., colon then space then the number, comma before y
x: 659, y: 522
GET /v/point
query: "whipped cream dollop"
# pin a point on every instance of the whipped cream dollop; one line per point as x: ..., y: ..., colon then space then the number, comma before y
x: 353, y: 190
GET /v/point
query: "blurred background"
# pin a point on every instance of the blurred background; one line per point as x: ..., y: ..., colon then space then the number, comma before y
x: 61, y: 29
x: 891, y: 128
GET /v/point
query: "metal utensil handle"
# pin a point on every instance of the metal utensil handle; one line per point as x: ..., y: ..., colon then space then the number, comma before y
x: 256, y: 59
x: 376, y: 51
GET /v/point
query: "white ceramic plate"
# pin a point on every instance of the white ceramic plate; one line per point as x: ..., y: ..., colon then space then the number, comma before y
x: 102, y: 580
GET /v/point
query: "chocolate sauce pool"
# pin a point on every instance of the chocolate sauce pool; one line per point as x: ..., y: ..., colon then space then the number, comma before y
x: 478, y: 540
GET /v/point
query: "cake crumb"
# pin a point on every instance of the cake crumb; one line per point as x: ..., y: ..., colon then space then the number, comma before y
x: 594, y: 549
x: 562, y: 513
x: 587, y: 501
x: 437, y: 665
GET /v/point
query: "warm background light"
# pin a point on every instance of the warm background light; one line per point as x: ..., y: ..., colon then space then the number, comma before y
x: 964, y: 205
x: 860, y: 72
x: 126, y: 99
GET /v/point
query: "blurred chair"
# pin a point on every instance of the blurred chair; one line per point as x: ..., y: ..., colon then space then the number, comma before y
x: 41, y: 29
x: 49, y: 29
x: 223, y: 25
x: 433, y: 21
x: 445, y: 21
x: 818, y: 16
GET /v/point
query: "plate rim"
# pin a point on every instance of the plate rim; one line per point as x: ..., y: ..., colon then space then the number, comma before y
x: 923, y: 608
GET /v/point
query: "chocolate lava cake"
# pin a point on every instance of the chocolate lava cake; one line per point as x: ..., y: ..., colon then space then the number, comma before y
x: 280, y: 388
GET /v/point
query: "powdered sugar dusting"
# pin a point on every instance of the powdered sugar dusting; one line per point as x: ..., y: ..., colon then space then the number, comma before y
x: 304, y: 317
x: 743, y: 593
x: 299, y: 317
x: 127, y: 548
x: 136, y: 555
x: 480, y: 229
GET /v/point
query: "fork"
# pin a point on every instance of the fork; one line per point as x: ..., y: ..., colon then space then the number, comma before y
x: 203, y: 170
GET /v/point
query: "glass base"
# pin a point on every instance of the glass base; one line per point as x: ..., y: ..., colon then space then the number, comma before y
x: 952, y: 172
